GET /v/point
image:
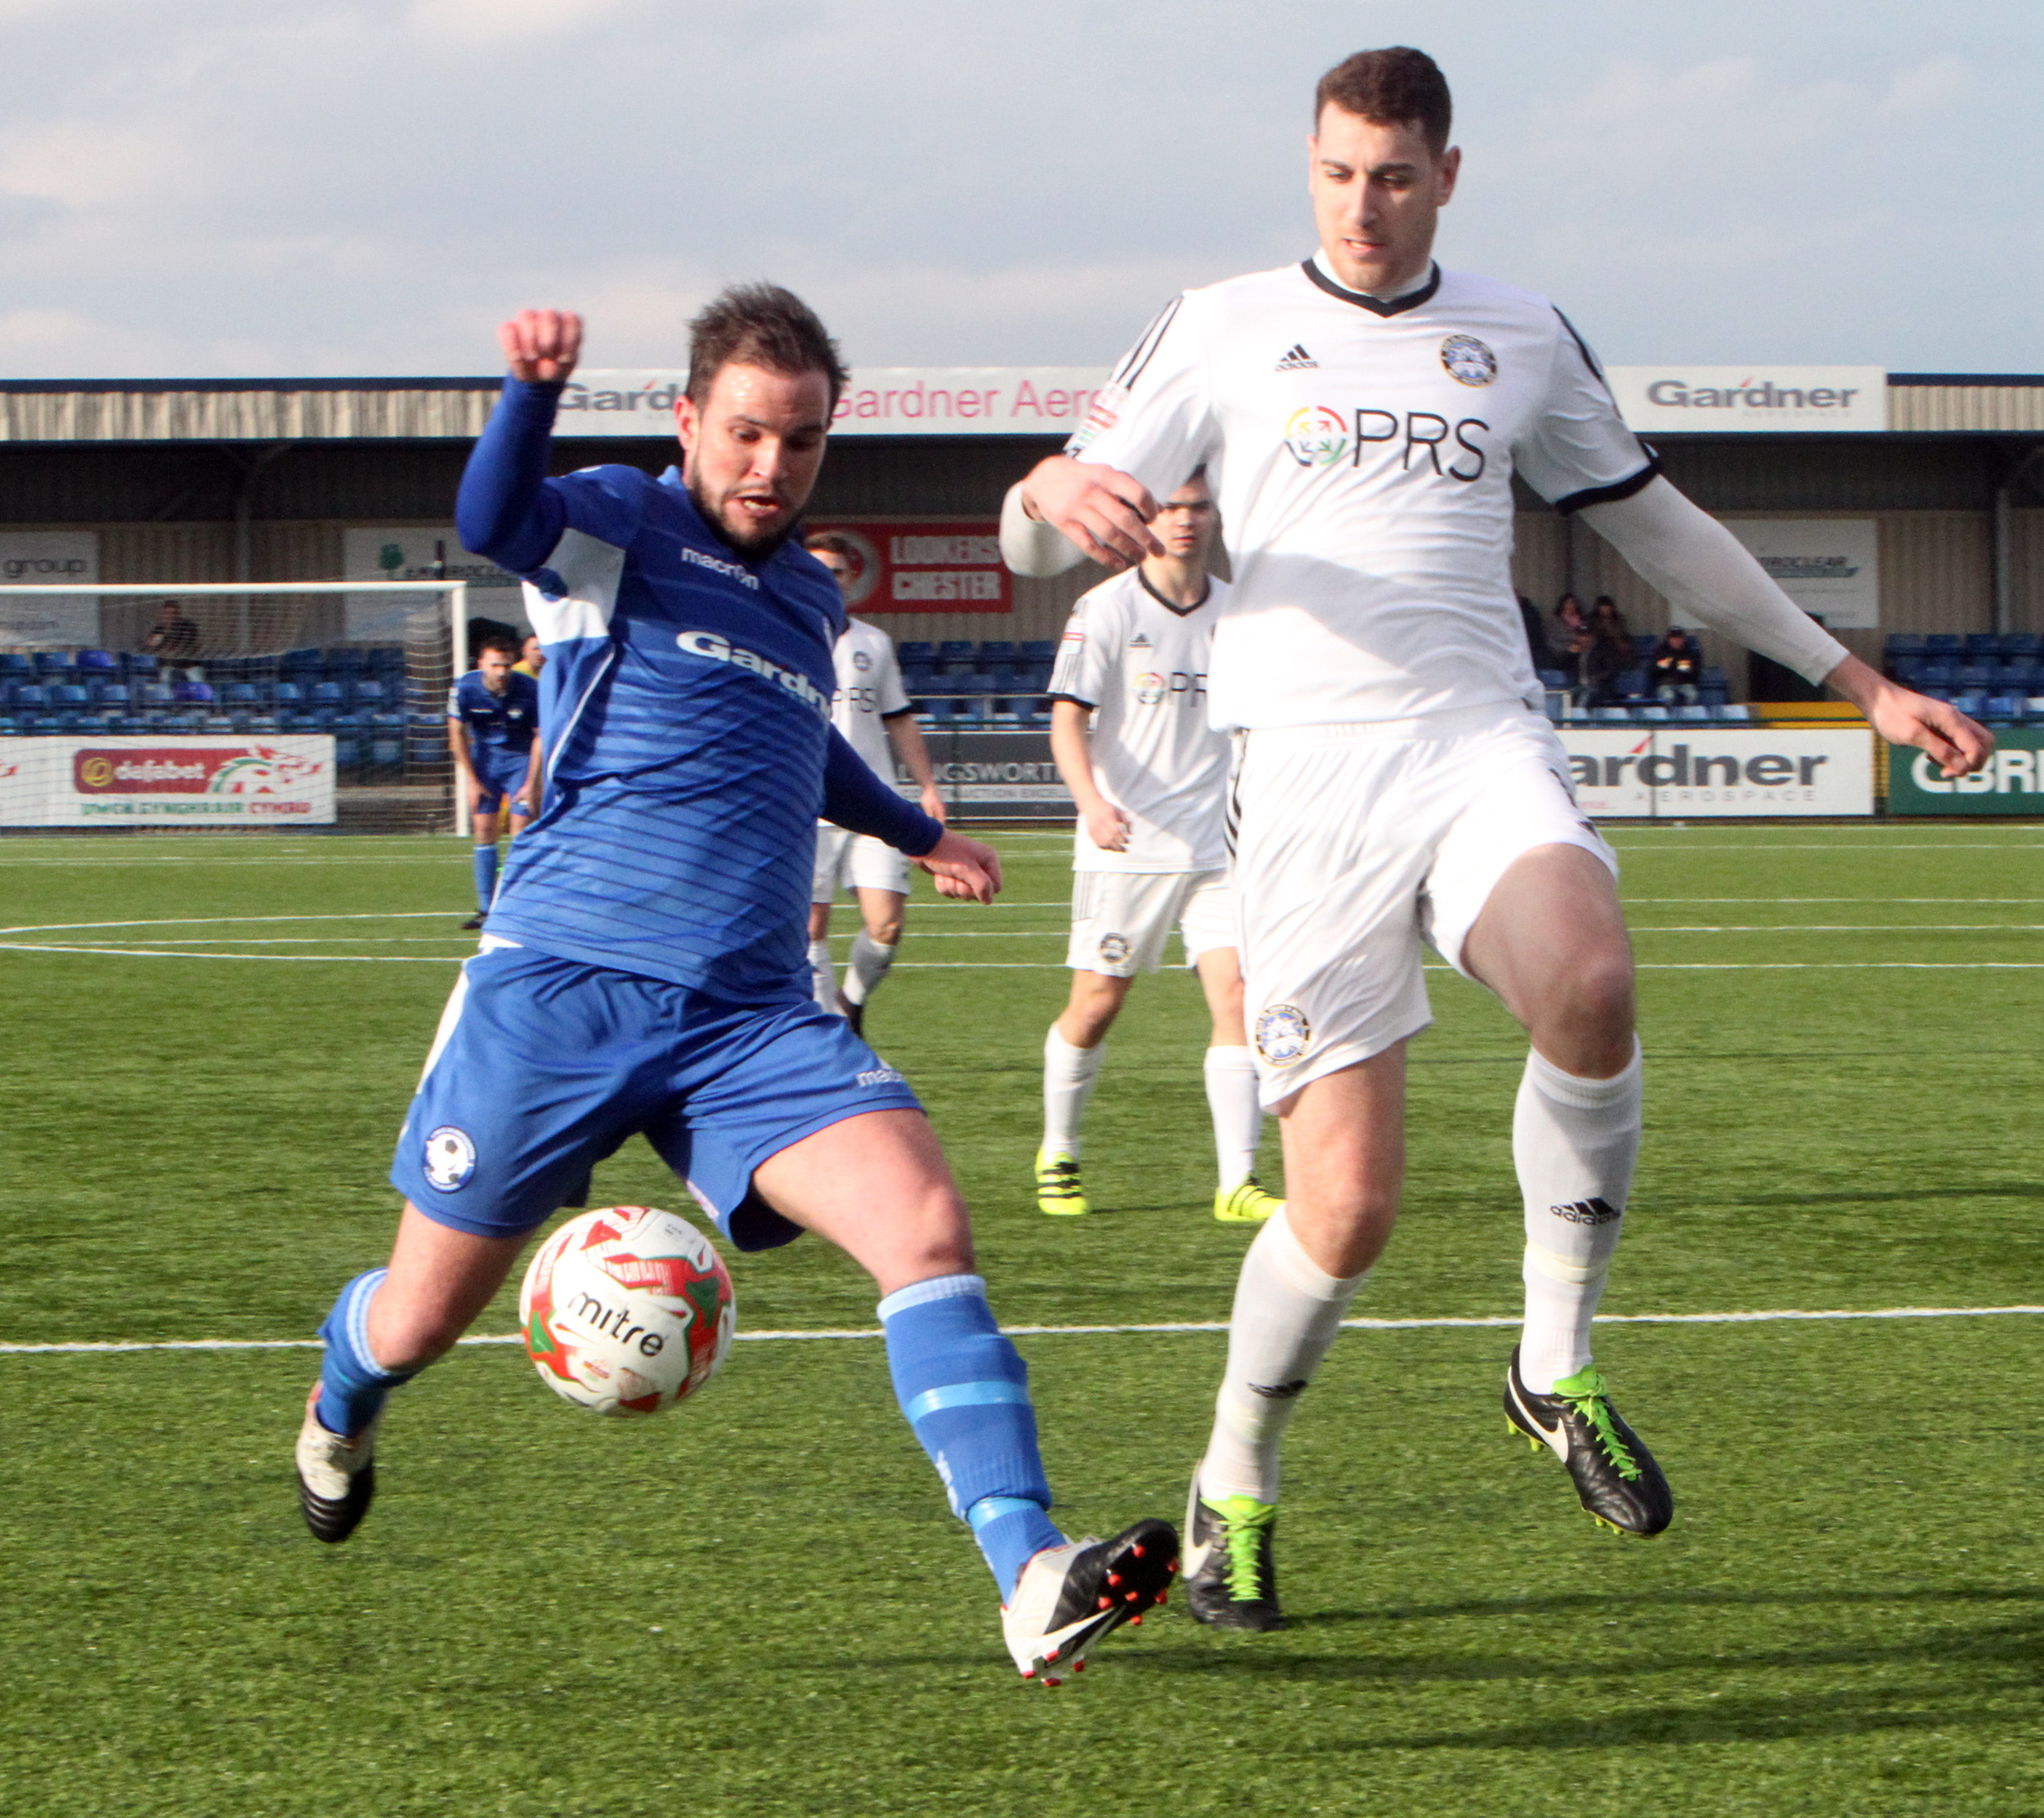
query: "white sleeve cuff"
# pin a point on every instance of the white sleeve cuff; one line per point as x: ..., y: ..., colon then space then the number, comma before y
x: 1711, y: 579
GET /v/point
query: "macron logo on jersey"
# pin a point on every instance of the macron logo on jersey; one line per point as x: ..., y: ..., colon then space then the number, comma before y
x: 731, y: 571
x: 721, y: 650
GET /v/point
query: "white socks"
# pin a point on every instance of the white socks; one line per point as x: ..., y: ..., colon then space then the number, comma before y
x: 1287, y: 1311
x: 870, y: 961
x: 1068, y: 1074
x: 824, y: 976
x: 1574, y: 1142
x: 1237, y: 1112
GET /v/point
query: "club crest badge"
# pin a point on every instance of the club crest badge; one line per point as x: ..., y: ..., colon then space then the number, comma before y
x: 1283, y: 1034
x: 861, y: 661
x: 451, y: 1159
x: 1150, y: 688
x: 1469, y: 361
x: 1113, y: 948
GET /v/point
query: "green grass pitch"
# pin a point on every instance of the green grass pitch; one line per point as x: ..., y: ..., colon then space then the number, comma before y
x: 759, y: 1605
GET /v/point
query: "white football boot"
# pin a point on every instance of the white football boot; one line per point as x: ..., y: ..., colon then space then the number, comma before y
x: 337, y: 1477
x: 1069, y: 1596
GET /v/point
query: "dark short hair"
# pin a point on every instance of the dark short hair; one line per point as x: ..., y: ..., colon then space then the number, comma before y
x: 760, y: 324
x: 831, y: 540
x: 512, y: 645
x: 1396, y: 86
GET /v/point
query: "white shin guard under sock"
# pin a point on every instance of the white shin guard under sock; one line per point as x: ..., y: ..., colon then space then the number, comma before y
x: 1068, y: 1074
x: 824, y: 976
x: 1237, y: 1113
x: 870, y: 961
x: 1574, y: 1142
x: 1287, y: 1311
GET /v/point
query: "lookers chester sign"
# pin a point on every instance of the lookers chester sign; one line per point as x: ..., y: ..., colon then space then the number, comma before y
x: 1717, y: 400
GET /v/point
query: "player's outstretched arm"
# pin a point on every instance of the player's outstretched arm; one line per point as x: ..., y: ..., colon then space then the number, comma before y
x: 963, y: 868
x: 1103, y: 514
x: 505, y: 509
x: 1710, y: 578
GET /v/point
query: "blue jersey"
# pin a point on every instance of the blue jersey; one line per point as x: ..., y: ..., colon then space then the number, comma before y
x: 500, y: 726
x: 686, y: 701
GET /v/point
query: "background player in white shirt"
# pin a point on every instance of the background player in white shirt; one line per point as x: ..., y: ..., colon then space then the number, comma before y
x: 872, y: 711
x: 1360, y: 417
x: 1150, y: 846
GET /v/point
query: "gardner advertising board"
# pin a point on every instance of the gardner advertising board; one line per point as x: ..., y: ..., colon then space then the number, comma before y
x: 277, y: 780
x: 2012, y: 781
x: 1701, y: 773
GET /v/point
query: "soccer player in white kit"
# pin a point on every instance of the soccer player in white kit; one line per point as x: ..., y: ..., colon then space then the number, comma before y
x: 872, y: 711
x: 1149, y: 780
x: 1361, y: 416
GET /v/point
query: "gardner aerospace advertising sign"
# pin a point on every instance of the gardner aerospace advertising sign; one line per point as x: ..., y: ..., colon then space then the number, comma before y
x: 1701, y: 773
x: 1746, y: 401
x: 273, y: 781
x: 2010, y: 783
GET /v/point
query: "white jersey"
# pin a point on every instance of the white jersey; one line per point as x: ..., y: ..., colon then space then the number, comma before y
x: 1361, y: 453
x: 869, y: 693
x: 1141, y: 664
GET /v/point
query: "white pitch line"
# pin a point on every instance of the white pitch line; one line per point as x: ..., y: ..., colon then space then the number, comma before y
x: 1487, y: 1323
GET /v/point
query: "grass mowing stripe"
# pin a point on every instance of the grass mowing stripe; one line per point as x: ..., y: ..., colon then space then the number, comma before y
x: 88, y: 1347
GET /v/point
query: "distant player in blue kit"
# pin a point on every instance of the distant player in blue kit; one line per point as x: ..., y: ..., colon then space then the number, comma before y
x: 645, y: 968
x: 493, y: 729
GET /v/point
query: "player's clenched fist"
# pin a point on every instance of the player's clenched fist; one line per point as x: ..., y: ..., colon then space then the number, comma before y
x: 1105, y: 512
x: 541, y: 345
x: 963, y: 868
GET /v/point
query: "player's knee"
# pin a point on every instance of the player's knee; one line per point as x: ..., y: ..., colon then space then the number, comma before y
x: 407, y: 1338
x: 1603, y: 991
x: 886, y: 930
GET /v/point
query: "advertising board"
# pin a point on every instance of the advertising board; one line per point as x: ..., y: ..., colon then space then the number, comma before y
x: 935, y: 565
x: 275, y: 780
x: 995, y: 776
x: 2012, y: 781
x: 1703, y: 773
x: 1751, y: 399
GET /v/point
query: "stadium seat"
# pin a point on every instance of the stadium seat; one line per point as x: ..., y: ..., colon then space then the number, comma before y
x: 287, y: 696
x: 918, y: 678
x: 2024, y: 644
x: 1631, y: 686
x: 194, y: 693
x: 1907, y: 670
x: 1039, y: 650
x: 346, y: 660
x: 1976, y: 674
x: 49, y: 663
x: 1903, y: 643
x: 26, y: 695
x: 1655, y: 715
x: 365, y: 693
x: 1554, y: 678
x: 117, y: 695
x: 1938, y: 675
x: 1944, y: 643
x: 138, y: 663
x: 1694, y: 716
x: 2005, y: 707
x: 15, y: 665
x: 69, y: 696
x: 238, y: 694
x: 998, y: 650
x: 102, y: 662
x: 1983, y: 643
x: 1645, y: 643
x: 8, y: 726
x: 327, y: 694
x: 916, y: 650
x: 1970, y: 702
x: 1611, y: 716
x: 958, y: 650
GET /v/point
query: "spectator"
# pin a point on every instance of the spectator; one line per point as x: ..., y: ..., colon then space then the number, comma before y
x: 1536, y: 642
x: 1678, y: 669
x: 1571, y: 645
x: 1611, y: 653
x: 173, y: 641
x: 532, y: 657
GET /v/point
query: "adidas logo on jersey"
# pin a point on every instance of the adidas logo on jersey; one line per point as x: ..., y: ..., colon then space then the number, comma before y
x: 1140, y: 640
x: 1297, y: 360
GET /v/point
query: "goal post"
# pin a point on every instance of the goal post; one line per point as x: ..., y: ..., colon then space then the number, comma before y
x: 209, y: 705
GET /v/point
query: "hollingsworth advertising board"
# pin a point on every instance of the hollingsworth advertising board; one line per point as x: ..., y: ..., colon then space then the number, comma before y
x: 272, y: 780
x: 2012, y: 781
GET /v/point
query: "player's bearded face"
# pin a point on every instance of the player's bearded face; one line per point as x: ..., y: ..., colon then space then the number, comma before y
x: 752, y: 449
x: 1378, y: 193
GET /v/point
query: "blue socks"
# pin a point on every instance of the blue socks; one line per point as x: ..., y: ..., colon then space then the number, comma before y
x: 353, y: 1389
x: 966, y: 1392
x: 486, y: 877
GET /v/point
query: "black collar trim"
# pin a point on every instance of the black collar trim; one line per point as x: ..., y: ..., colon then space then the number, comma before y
x: 1171, y: 607
x: 1375, y: 305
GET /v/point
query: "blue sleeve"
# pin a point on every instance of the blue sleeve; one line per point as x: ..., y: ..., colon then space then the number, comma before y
x: 854, y: 798
x: 506, y: 510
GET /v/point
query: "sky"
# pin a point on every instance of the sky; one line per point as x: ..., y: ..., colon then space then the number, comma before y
x: 263, y: 188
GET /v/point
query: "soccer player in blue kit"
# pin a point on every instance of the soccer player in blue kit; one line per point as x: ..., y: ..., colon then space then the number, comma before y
x: 645, y: 968
x: 493, y: 729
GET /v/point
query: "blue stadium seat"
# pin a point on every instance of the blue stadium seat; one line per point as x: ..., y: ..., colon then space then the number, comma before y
x: 1694, y: 716
x: 1612, y: 716
x: 327, y: 694
x: 2003, y: 707
x: 68, y: 695
x: 8, y: 727
x: 194, y: 693
x: 1983, y: 643
x: 1944, y: 643
x: 52, y: 662
x: 366, y: 693
x: 15, y: 665
x: 287, y: 696
x: 1936, y: 675
x: 1631, y: 686
x: 1554, y: 678
x: 918, y: 678
x: 998, y: 650
x: 346, y: 660
x: 2023, y: 644
x: 1970, y: 701
x: 27, y: 695
x: 238, y: 694
x: 1978, y: 674
x: 958, y: 650
x: 1655, y: 715
x: 1907, y: 669
x: 100, y: 662
x: 1735, y: 713
x: 138, y: 663
x: 1903, y: 643
x: 916, y: 650
x: 977, y: 683
x: 1039, y: 650
x: 1645, y: 643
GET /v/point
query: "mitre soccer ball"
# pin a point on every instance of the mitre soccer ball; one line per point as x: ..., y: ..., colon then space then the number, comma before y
x: 626, y: 1310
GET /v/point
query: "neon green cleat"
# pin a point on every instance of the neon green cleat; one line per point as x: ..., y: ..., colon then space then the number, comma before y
x: 1058, y: 1192
x: 1247, y: 1204
x: 1230, y: 1575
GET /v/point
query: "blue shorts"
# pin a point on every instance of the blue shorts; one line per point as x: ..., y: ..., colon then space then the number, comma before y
x: 500, y: 771
x: 542, y: 1067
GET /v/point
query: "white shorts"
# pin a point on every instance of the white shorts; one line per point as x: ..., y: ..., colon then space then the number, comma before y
x: 1120, y: 919
x: 1353, y: 845
x: 858, y: 859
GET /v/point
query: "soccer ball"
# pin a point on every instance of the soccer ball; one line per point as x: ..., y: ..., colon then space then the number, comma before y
x: 626, y: 1310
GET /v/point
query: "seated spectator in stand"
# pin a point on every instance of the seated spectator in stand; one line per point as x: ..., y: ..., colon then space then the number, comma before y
x: 1678, y: 669
x: 173, y: 641
x: 1571, y: 645
x: 1536, y: 635
x: 1611, y: 653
